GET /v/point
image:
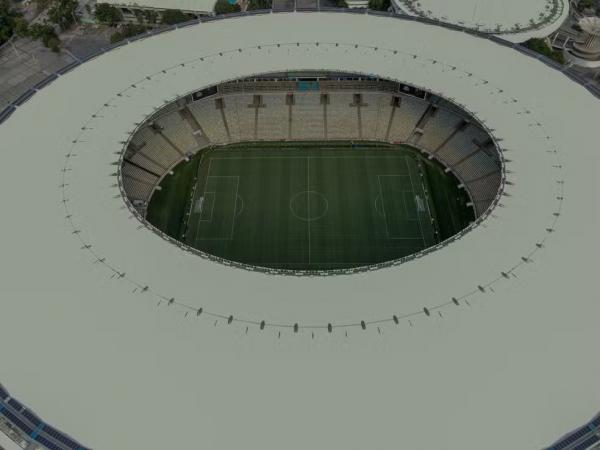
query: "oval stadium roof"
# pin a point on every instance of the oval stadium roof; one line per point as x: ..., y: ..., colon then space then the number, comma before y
x: 91, y: 343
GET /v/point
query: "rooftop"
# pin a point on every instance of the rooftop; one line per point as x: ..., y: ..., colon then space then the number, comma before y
x: 102, y: 314
x: 515, y: 20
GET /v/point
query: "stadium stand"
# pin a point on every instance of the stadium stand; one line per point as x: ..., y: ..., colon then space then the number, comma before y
x: 267, y: 110
x: 406, y: 114
x: 309, y: 113
x: 376, y: 110
x: 208, y: 114
x: 178, y: 132
x: 342, y: 116
x: 273, y: 118
x: 439, y: 128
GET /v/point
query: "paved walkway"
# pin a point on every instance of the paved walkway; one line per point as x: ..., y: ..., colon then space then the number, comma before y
x: 25, y: 63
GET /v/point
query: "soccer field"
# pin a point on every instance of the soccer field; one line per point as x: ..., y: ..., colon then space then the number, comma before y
x: 311, y: 206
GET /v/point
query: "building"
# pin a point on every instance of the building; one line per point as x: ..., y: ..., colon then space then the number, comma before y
x: 124, y: 340
x: 585, y: 51
x: 513, y: 20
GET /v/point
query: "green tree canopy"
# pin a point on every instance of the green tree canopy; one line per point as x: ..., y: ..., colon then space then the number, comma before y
x: 108, y: 14
x: 540, y: 46
x: 379, y: 5
x: 172, y: 16
x: 224, y: 7
x: 62, y: 13
x: 259, y: 4
x: 151, y: 16
x: 8, y: 21
x: 46, y: 33
x: 126, y: 31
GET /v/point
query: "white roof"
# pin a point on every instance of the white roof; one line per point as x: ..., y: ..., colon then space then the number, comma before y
x: 200, y: 6
x: 96, y: 356
x: 515, y: 20
x: 590, y: 25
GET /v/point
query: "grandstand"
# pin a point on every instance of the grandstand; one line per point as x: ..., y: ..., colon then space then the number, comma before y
x: 364, y: 110
x: 336, y: 108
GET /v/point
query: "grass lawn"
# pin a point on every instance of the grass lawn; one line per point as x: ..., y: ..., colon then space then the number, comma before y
x: 310, y: 206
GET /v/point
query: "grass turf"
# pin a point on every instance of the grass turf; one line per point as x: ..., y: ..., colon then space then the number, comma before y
x: 310, y: 206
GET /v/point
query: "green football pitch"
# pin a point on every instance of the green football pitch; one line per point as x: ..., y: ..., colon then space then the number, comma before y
x: 310, y: 206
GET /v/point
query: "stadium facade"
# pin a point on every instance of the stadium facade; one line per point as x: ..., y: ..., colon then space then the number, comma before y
x: 127, y: 341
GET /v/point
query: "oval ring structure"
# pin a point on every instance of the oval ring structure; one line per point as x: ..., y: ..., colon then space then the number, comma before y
x: 118, y: 323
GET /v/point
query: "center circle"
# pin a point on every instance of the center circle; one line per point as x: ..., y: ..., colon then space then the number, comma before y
x: 308, y: 206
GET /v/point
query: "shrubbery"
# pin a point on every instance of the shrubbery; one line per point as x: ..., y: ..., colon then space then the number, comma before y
x: 224, y: 7
x: 151, y: 16
x: 45, y: 32
x: 9, y: 18
x: 540, y: 46
x: 584, y: 4
x: 62, y: 13
x: 108, y: 14
x: 379, y: 5
x: 173, y: 16
x: 126, y: 31
x: 259, y: 4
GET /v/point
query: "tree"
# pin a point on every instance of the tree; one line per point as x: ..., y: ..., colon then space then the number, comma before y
x: 379, y: 5
x: 173, y: 16
x: 8, y: 21
x: 139, y: 16
x: 108, y: 14
x: 224, y: 7
x: 62, y: 13
x: 259, y: 4
x: 21, y: 27
x: 540, y: 46
x: 584, y: 4
x: 41, y: 5
x: 53, y: 44
x: 151, y: 16
x: 126, y: 31
x: 45, y: 32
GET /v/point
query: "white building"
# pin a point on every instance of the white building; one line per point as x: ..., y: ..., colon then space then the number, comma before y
x: 513, y: 20
x: 99, y: 316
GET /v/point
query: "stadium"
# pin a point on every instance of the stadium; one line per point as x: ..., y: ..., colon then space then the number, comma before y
x: 302, y: 230
x: 333, y: 125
